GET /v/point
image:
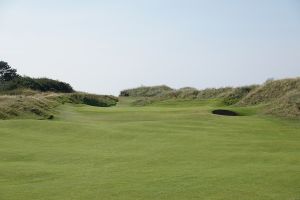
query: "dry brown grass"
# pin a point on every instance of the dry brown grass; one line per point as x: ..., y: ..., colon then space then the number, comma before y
x: 286, y: 106
x: 282, y: 97
x: 272, y: 90
x: 15, y: 106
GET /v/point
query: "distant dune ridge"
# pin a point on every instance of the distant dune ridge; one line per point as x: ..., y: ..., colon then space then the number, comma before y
x: 23, y: 96
x: 278, y: 97
x: 146, y: 91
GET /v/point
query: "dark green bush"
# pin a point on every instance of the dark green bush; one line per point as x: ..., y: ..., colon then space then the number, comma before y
x: 10, y: 80
x: 93, y: 100
x: 40, y: 84
x: 53, y: 85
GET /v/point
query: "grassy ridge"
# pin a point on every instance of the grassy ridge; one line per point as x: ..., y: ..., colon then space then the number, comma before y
x: 282, y: 97
x: 36, y: 106
x: 278, y: 97
x: 271, y: 90
x: 168, y: 150
x: 146, y: 91
x: 32, y: 104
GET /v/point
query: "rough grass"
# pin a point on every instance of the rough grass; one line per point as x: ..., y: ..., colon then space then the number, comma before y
x: 37, y: 106
x: 279, y: 97
x: 169, y: 150
x: 19, y: 91
x: 237, y: 94
x: 146, y: 91
x: 214, y: 93
x: 271, y: 90
x: 93, y: 99
x: 285, y: 106
x: 229, y: 95
x: 31, y: 104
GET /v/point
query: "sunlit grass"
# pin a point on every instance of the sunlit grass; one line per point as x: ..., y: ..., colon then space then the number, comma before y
x: 167, y: 150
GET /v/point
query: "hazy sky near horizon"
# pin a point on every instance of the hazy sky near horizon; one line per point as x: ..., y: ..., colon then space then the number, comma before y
x: 109, y: 45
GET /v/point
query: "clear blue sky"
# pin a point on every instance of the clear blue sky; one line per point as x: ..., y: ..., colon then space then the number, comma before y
x: 105, y: 46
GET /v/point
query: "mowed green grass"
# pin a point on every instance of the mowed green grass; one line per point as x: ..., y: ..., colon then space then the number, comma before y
x: 171, y: 150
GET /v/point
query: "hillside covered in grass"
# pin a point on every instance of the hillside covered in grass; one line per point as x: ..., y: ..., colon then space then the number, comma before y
x: 277, y: 97
x: 23, y: 96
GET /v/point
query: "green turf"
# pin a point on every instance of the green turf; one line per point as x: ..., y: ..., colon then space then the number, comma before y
x: 169, y: 150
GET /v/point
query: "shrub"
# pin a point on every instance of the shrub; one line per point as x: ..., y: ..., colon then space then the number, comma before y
x: 93, y: 100
x: 10, y: 80
x: 40, y: 84
x: 53, y: 85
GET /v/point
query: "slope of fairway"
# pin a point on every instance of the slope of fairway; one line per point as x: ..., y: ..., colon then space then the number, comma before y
x: 170, y: 150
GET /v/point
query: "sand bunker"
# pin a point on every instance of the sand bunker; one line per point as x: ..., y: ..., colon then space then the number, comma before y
x: 225, y: 112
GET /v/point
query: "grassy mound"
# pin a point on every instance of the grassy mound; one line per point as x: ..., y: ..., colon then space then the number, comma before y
x: 182, y: 93
x: 286, y: 106
x: 271, y: 90
x: 186, y: 93
x: 228, y: 95
x: 281, y: 97
x: 236, y: 94
x: 16, y: 106
x: 22, y: 96
x: 146, y: 91
x: 93, y: 99
x: 212, y: 93
x: 31, y: 104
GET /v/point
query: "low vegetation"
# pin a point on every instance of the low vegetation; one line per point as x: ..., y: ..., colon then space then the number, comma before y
x: 38, y: 84
x: 280, y: 97
x: 93, y: 99
x: 285, y: 106
x: 237, y: 94
x: 271, y: 90
x: 42, y: 105
x: 22, y: 96
x: 277, y: 97
x: 146, y: 91
x: 21, y: 106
